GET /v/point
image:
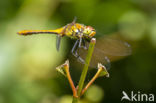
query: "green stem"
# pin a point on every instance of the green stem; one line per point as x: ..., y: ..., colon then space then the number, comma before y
x: 85, y: 69
x: 92, y: 80
x: 75, y: 100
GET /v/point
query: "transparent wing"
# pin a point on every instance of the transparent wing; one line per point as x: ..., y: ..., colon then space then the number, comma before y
x: 113, y: 46
x: 107, y: 49
x: 97, y: 57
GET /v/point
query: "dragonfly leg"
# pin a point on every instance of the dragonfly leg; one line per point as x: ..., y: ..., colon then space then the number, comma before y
x: 81, y: 60
x: 75, y: 49
x: 84, y: 44
x: 80, y: 42
x: 75, y: 46
x: 75, y: 52
x: 78, y: 57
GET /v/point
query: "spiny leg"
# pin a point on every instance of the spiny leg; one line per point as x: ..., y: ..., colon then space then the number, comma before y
x: 75, y: 52
x: 84, y: 44
x: 80, y: 60
x: 74, y: 48
x: 80, y: 42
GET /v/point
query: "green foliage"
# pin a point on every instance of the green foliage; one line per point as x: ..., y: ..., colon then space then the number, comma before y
x: 27, y: 64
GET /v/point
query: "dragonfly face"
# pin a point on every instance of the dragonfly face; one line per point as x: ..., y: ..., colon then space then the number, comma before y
x: 89, y: 31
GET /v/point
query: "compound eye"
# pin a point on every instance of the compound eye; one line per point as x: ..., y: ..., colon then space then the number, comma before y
x: 90, y: 28
x: 92, y: 33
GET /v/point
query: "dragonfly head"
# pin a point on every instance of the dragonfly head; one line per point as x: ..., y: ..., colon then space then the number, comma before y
x: 89, y: 31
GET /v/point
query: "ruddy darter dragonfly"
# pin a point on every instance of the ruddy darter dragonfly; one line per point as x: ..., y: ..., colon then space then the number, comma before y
x: 82, y: 33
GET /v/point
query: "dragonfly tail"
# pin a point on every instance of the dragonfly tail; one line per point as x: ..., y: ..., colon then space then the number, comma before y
x: 30, y: 32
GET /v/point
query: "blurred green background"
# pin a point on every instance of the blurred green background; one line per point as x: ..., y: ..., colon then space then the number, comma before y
x: 27, y: 64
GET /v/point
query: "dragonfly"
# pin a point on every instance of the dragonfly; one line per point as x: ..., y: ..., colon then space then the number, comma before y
x: 104, y: 48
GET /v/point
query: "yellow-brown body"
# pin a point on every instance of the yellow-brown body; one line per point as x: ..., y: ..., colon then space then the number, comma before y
x: 72, y: 30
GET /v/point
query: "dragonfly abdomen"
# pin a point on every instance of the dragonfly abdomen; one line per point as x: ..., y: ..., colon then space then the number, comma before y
x: 30, y: 32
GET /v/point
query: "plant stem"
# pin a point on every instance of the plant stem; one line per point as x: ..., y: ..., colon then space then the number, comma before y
x: 91, y: 81
x: 86, y: 65
x: 75, y: 100
x: 85, y: 69
x: 66, y: 66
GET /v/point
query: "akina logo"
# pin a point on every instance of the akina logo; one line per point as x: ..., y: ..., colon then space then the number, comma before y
x: 138, y: 96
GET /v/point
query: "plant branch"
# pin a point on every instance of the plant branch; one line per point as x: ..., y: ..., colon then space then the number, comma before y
x: 86, y: 65
x: 101, y: 69
x: 66, y: 66
x: 64, y: 70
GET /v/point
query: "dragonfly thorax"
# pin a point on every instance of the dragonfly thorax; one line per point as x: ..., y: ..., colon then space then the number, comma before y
x: 79, y: 31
